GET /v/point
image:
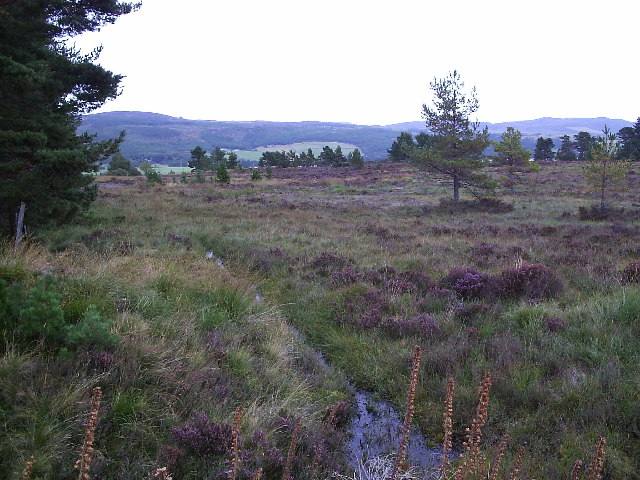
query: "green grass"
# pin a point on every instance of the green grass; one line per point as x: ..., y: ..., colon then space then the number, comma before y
x: 555, y: 388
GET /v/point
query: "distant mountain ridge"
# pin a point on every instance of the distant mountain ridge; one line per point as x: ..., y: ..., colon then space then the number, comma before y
x: 165, y: 139
x: 541, y: 127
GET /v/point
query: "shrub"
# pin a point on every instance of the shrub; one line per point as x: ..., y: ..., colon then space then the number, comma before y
x: 532, y: 281
x: 222, y: 174
x: 494, y: 205
x: 347, y: 276
x: 435, y: 300
x: 631, y: 273
x: 91, y: 331
x: 10, y: 297
x: 389, y: 279
x: 594, y: 212
x: 421, y: 325
x: 41, y: 315
x: 327, y: 263
x: 485, y: 205
x: 420, y: 281
x: 153, y: 177
x: 483, y: 249
x: 202, y: 437
x: 199, y: 177
x: 366, y: 309
x: 467, y: 282
x: 119, y: 172
x: 469, y: 312
x: 554, y: 324
x: 255, y: 175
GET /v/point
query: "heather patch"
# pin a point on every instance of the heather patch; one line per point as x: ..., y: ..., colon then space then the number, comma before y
x: 202, y: 436
x: 347, y: 276
x: 421, y: 325
x: 467, y: 282
x: 481, y: 205
x: 595, y: 213
x: 472, y: 312
x: 366, y: 309
x: 435, y: 299
x: 631, y: 273
x: 554, y: 324
x: 327, y: 263
x: 268, y: 259
x: 530, y: 281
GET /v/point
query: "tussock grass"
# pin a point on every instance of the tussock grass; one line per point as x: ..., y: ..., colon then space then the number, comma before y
x: 193, y: 337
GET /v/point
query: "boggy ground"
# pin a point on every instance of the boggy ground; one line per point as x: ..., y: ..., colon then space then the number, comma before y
x: 367, y: 263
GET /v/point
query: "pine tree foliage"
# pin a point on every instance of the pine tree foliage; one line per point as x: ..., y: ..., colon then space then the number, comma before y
x: 630, y: 138
x: 543, y: 150
x: 566, y: 151
x: 44, y: 88
x: 457, y: 144
x: 603, y: 171
x: 511, y: 153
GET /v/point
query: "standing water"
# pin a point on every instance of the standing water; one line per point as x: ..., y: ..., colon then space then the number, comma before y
x: 375, y: 431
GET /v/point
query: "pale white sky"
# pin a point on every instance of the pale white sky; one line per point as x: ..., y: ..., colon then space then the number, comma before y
x: 370, y: 62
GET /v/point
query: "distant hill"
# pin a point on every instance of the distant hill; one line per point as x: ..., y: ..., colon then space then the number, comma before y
x: 168, y: 140
x: 541, y: 127
x: 164, y: 139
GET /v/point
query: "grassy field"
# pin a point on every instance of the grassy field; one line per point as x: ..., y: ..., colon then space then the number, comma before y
x: 222, y: 296
x: 316, y: 148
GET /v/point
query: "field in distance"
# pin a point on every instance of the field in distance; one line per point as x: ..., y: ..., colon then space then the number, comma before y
x: 298, y: 147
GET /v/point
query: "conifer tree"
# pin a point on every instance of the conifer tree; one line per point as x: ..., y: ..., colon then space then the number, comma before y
x: 199, y: 160
x: 355, y: 158
x: 511, y: 153
x: 630, y: 137
x: 565, y: 153
x: 603, y: 171
x: 583, y: 141
x: 458, y: 143
x: 222, y: 174
x: 45, y: 86
x: 544, y: 149
x: 402, y: 147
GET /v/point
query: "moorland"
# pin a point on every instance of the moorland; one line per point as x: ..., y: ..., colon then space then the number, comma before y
x: 281, y: 294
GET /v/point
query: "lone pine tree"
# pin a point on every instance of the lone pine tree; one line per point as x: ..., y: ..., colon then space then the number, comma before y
x: 455, y: 152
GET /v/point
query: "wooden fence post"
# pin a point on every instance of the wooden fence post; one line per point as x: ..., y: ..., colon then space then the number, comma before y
x: 19, y: 226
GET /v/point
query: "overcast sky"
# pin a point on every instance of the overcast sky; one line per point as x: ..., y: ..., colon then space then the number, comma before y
x: 370, y: 62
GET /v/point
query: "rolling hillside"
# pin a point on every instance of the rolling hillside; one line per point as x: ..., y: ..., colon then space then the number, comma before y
x: 168, y: 140
x: 165, y: 139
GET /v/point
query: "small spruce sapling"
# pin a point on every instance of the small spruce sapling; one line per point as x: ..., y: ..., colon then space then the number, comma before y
x: 511, y: 153
x: 41, y: 315
x: 153, y: 177
x: 91, y: 331
x: 222, y: 174
x: 603, y: 171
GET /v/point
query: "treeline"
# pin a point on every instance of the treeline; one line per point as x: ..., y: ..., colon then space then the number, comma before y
x: 328, y: 157
x: 581, y: 145
x: 576, y: 148
x: 200, y: 161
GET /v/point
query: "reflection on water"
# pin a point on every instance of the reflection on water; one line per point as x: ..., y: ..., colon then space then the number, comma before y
x: 375, y: 431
